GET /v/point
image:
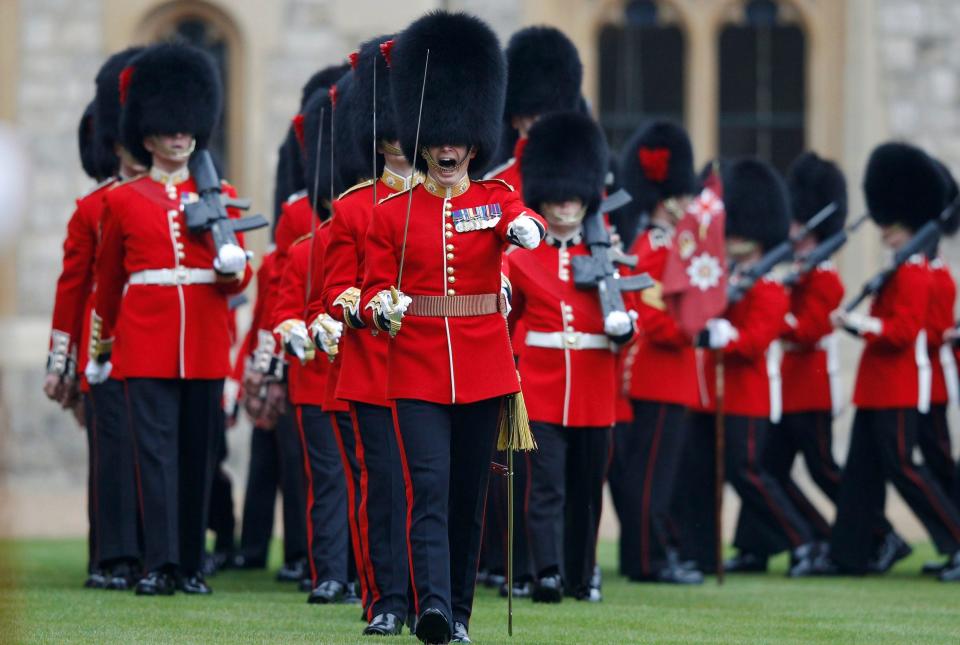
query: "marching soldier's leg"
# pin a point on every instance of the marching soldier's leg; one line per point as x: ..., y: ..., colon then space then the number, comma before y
x: 383, y: 515
x: 588, y: 452
x: 154, y: 413
x: 116, y: 485
x: 95, y: 576
x: 292, y: 489
x: 472, y: 443
x: 783, y: 444
x: 693, y: 506
x: 933, y: 438
x: 815, y: 440
x: 347, y: 444
x: 221, y: 520
x: 200, y: 421
x: 617, y: 475
x: 495, y: 527
x: 258, y: 501
x: 548, y: 469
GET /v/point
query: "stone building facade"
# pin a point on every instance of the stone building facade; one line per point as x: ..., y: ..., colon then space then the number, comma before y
x: 873, y: 69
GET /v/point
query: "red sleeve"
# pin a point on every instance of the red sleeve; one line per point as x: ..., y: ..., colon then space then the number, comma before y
x: 381, y: 259
x: 318, y: 274
x: 232, y: 287
x: 111, y: 267
x: 906, y: 313
x: 810, y: 321
x: 518, y: 298
x: 341, y: 263
x: 658, y: 326
x: 943, y: 295
x: 768, y: 305
x: 76, y: 277
x: 290, y: 302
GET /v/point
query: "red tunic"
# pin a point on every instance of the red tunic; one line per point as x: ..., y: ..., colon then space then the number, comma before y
x: 810, y: 344
x: 75, y: 286
x: 568, y: 387
x: 177, y: 331
x: 894, y: 367
x: 306, y: 384
x: 320, y: 241
x: 509, y: 171
x: 363, y: 355
x: 943, y: 295
x: 758, y: 319
x: 444, y: 360
x: 661, y: 362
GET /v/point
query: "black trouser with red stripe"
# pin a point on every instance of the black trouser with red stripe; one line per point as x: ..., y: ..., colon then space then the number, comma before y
x: 446, y: 451
x: 382, y: 512
x: 222, y: 520
x: 566, y: 496
x: 347, y: 445
x: 646, y: 459
x: 881, y: 450
x: 778, y: 525
x: 114, y: 519
x: 326, y: 500
x: 174, y: 428
x: 933, y: 438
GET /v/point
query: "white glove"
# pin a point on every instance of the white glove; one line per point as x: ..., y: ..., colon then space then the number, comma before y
x: 525, y: 232
x: 617, y: 323
x: 297, y: 341
x: 721, y: 332
x: 97, y: 373
x: 394, y: 308
x: 326, y: 333
x: 507, y: 292
x: 861, y: 324
x: 230, y: 259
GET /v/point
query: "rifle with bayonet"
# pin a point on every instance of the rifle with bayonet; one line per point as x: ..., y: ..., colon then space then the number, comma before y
x: 821, y: 253
x: 744, y: 280
x: 209, y: 211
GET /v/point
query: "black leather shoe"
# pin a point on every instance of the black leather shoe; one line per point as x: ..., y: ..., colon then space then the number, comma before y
x: 95, y: 580
x: 157, y: 583
x: 306, y: 585
x: 384, y: 625
x: 520, y: 590
x: 677, y: 575
x: 241, y: 561
x: 803, y: 561
x: 460, y: 633
x: 494, y: 580
x: 350, y: 596
x: 934, y: 567
x: 548, y: 589
x: 194, y: 584
x: 293, y: 571
x: 433, y: 627
x: 951, y: 572
x: 121, y: 578
x: 745, y: 562
x: 892, y: 549
x: 588, y: 594
x: 328, y: 592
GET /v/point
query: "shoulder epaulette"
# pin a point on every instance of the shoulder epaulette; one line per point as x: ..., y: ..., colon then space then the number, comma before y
x: 297, y: 195
x: 102, y: 184
x: 494, y: 180
x: 124, y: 182
x: 402, y: 192
x: 499, y: 169
x: 356, y: 187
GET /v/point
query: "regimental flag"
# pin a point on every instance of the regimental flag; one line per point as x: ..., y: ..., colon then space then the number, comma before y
x: 695, y: 275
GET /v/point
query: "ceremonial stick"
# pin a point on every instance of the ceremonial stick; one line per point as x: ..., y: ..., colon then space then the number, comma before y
x: 719, y: 466
x: 510, y: 533
x: 374, y: 175
x: 413, y: 170
x: 313, y: 207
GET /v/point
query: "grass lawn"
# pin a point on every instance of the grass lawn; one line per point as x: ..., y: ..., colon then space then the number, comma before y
x: 41, y: 601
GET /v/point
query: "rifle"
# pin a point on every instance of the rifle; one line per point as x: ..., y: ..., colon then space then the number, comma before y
x: 822, y: 252
x: 598, y: 270
x: 923, y: 239
x: 782, y: 252
x: 209, y: 212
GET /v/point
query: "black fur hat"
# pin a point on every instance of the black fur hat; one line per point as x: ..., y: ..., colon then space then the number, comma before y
x: 370, y: 60
x: 566, y: 157
x: 902, y: 185
x: 465, y: 85
x: 289, y: 173
x: 814, y: 183
x: 952, y: 223
x: 318, y: 171
x: 757, y: 205
x: 350, y: 159
x: 168, y: 89
x: 107, y: 101
x: 90, y: 157
x: 543, y: 73
x: 322, y: 79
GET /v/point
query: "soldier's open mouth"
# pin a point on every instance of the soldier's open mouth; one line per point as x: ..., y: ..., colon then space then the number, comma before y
x: 448, y: 164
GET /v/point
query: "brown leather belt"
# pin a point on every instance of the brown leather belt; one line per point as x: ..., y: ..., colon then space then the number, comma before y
x: 481, y: 304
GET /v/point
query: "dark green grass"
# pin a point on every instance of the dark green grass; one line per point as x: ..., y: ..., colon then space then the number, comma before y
x: 41, y: 602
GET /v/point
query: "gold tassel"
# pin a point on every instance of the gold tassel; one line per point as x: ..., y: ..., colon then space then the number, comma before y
x: 515, y: 433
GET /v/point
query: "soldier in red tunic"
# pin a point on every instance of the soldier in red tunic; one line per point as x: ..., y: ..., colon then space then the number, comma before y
x: 164, y: 291
x: 434, y: 283
x: 757, y: 219
x: 567, y: 366
x: 810, y: 365
x: 903, y: 189
x: 657, y: 170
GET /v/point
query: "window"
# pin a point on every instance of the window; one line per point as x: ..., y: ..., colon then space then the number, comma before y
x: 763, y: 83
x: 641, y: 68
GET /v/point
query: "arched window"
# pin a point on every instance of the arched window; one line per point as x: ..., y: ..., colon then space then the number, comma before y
x: 763, y: 83
x: 641, y: 68
x: 205, y: 27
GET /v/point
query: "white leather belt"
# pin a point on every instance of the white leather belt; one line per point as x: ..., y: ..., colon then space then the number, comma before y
x: 173, y: 277
x: 567, y: 340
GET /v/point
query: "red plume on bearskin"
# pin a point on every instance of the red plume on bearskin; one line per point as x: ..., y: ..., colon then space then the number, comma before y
x: 385, y: 49
x: 297, y: 123
x: 125, y: 76
x: 353, y: 58
x: 655, y: 163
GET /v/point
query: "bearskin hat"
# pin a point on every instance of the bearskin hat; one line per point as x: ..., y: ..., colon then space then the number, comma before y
x: 322, y: 80
x: 107, y: 101
x: 543, y: 73
x: 566, y: 157
x: 952, y: 222
x: 814, y: 183
x: 465, y: 85
x: 371, y: 60
x: 167, y: 89
x: 756, y: 201
x: 86, y: 139
x: 319, y: 173
x: 902, y: 185
x: 350, y: 160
